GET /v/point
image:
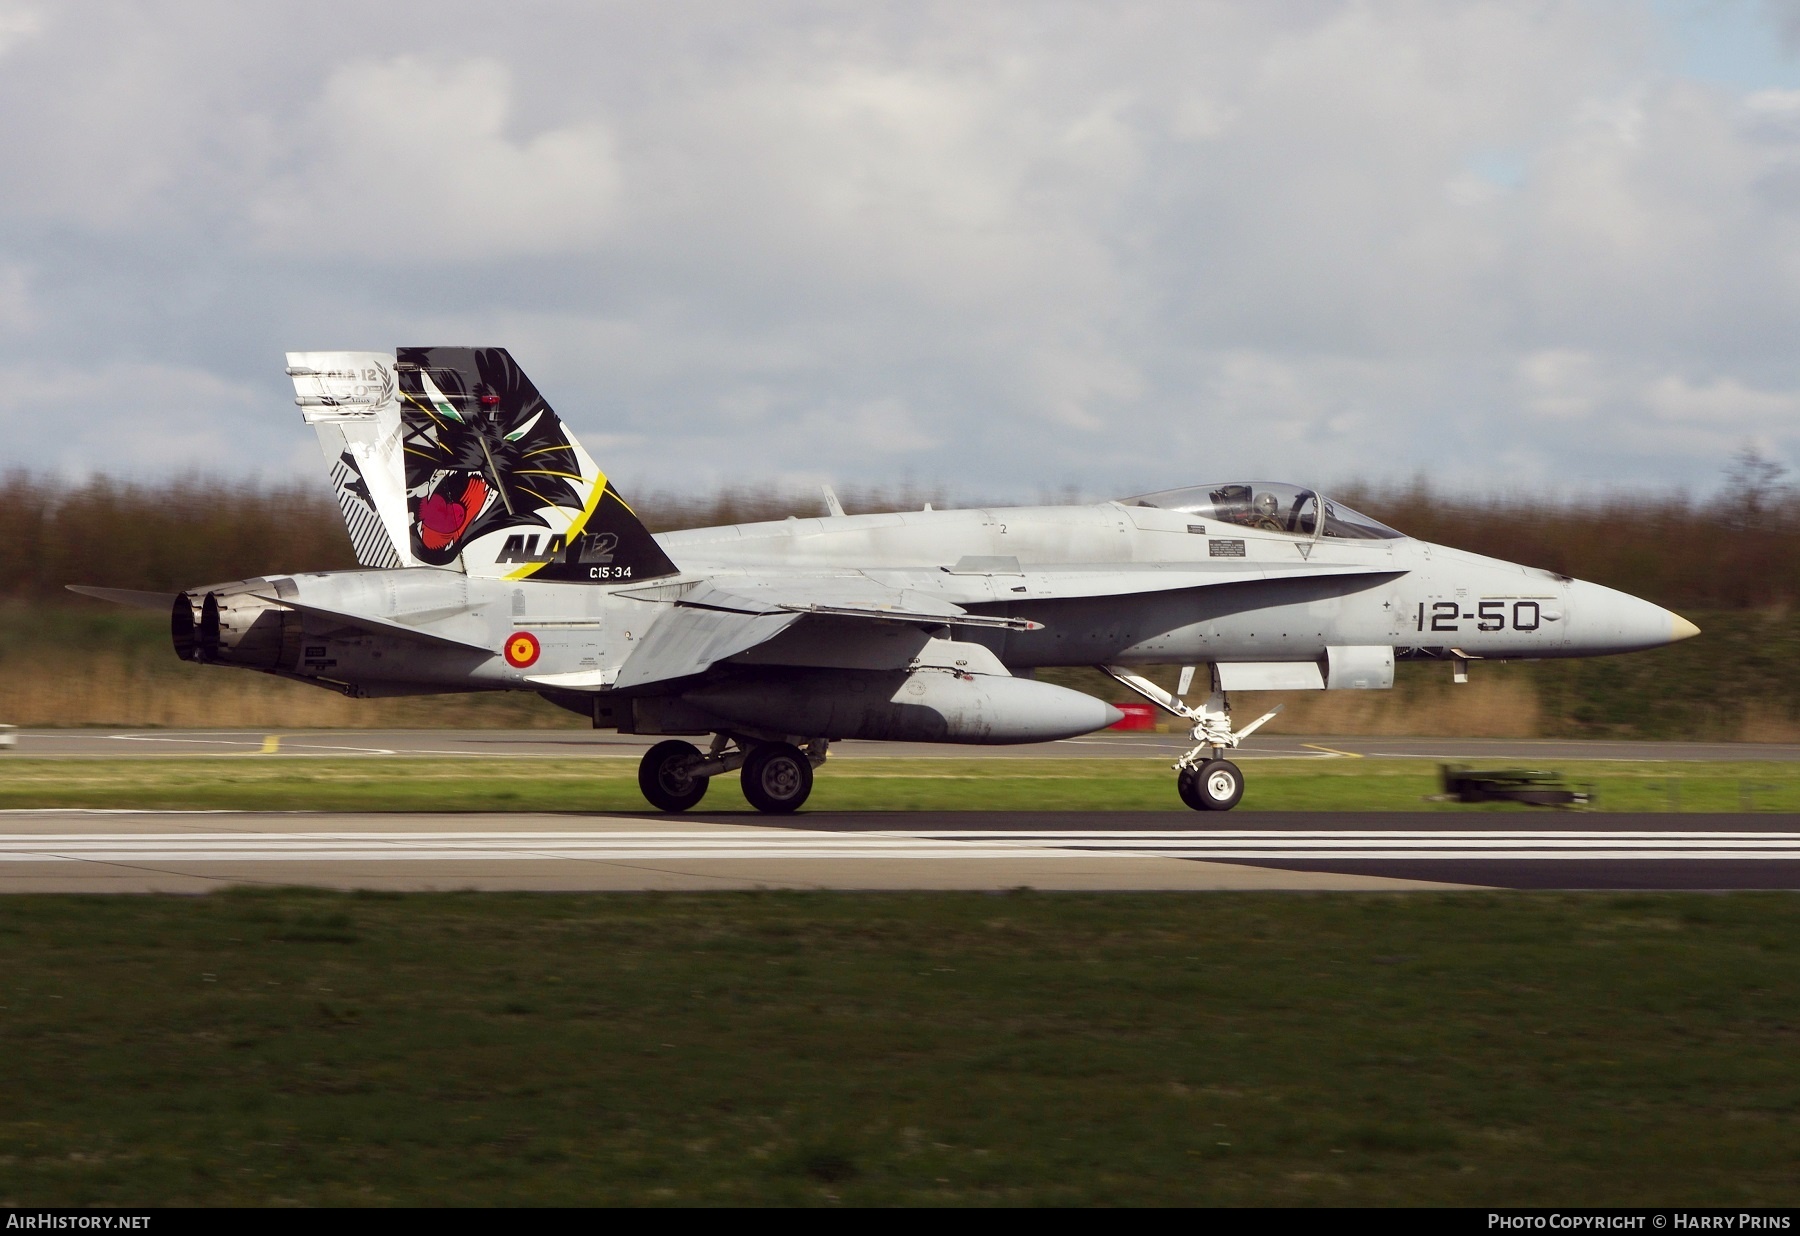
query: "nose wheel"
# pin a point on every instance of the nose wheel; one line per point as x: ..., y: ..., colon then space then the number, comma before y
x: 1216, y: 785
x: 1204, y: 780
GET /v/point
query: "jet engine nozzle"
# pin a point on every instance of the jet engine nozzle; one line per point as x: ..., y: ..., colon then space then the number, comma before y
x: 233, y: 625
x: 181, y: 629
x: 208, y: 634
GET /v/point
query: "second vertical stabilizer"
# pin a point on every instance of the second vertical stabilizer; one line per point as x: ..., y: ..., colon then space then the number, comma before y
x: 352, y: 401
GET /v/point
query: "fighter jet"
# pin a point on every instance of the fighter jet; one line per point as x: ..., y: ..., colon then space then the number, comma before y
x: 497, y: 556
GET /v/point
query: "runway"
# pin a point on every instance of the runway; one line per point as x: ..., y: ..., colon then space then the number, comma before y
x: 561, y: 744
x: 1507, y: 849
x: 187, y: 852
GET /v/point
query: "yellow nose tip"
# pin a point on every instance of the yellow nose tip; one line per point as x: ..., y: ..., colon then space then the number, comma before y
x: 1681, y: 628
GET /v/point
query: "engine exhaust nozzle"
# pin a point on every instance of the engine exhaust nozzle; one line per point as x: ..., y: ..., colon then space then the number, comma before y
x: 181, y: 629
x: 208, y: 634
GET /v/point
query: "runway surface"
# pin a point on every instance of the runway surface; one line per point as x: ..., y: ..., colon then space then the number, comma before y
x: 561, y: 744
x: 1507, y: 849
x: 184, y: 852
x: 113, y: 851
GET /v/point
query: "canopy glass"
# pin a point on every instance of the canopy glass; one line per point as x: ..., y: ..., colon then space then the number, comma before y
x: 1272, y: 506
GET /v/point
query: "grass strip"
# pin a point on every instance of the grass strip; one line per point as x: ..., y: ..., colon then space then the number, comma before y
x: 609, y: 784
x: 304, y: 1047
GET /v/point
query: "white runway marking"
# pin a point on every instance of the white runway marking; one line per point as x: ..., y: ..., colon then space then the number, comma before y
x: 743, y: 843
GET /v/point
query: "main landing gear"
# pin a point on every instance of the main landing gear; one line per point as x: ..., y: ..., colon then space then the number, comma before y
x: 776, y: 776
x: 1205, y: 780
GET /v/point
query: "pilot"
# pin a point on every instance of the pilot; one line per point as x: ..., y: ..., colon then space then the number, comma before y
x: 1268, y: 510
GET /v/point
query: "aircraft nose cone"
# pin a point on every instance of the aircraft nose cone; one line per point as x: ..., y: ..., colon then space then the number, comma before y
x: 1605, y: 620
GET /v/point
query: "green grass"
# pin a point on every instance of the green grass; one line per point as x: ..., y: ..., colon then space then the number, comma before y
x: 1025, y: 784
x: 315, y: 1048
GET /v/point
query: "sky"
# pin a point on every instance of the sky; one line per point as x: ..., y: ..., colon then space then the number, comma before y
x: 1004, y: 249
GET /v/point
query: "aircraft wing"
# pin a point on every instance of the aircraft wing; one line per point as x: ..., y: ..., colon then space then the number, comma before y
x: 688, y: 639
x: 715, y: 621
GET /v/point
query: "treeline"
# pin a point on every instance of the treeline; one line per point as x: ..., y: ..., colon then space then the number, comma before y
x: 1681, y: 552
x: 161, y: 536
x: 1737, y: 551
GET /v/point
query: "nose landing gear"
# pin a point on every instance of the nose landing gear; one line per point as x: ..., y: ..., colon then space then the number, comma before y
x: 1205, y: 780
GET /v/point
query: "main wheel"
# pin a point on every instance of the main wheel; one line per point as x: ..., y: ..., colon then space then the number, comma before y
x: 777, y: 778
x: 663, y: 778
x: 1218, y: 786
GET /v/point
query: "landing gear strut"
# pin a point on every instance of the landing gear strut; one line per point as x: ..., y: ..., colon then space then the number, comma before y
x: 777, y: 776
x: 1205, y: 780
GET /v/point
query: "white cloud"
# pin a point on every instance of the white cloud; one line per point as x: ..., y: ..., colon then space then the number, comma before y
x: 1563, y: 383
x: 1004, y: 247
x: 133, y: 419
x: 16, y: 313
x: 885, y: 427
x: 1722, y: 403
x: 405, y: 160
x: 18, y: 22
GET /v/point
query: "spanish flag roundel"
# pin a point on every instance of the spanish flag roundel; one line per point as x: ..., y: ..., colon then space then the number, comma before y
x: 521, y: 649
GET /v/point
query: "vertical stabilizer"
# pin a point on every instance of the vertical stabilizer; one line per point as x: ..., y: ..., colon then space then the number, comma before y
x: 352, y: 401
x: 496, y: 482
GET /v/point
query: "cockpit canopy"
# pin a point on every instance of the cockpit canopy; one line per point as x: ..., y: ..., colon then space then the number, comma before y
x: 1272, y: 506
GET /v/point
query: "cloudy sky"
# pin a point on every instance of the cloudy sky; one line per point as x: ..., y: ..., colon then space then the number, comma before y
x: 1006, y: 248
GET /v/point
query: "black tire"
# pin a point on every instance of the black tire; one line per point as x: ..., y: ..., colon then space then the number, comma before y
x: 662, y: 781
x: 777, y: 778
x: 1219, y: 785
x: 1187, y: 784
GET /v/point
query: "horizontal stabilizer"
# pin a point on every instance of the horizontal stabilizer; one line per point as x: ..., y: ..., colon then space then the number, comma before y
x: 163, y: 601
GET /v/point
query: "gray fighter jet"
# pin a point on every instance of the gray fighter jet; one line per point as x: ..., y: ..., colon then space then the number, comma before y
x: 498, y: 557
